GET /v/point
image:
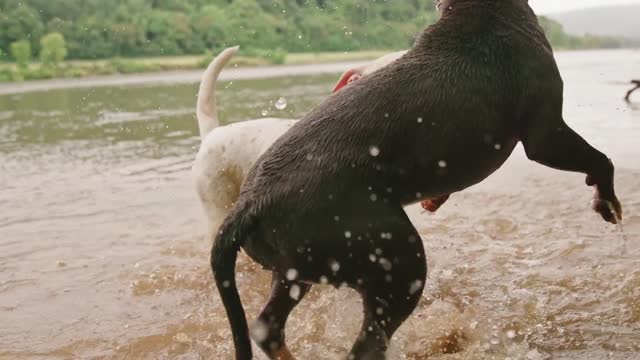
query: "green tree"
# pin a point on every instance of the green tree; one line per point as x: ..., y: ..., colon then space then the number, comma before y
x: 105, y: 29
x: 20, y: 23
x: 53, y: 49
x: 21, y: 53
x: 212, y: 26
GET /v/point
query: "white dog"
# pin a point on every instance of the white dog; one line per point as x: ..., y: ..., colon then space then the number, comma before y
x: 228, y: 152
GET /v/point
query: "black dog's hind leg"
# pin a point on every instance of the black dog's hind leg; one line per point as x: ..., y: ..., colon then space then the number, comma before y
x: 547, y: 139
x: 269, y: 329
x: 392, y: 286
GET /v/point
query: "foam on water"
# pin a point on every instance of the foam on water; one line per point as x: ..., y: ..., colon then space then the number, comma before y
x: 623, y: 235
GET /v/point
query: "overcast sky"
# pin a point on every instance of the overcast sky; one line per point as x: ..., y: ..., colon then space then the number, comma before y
x: 551, y: 6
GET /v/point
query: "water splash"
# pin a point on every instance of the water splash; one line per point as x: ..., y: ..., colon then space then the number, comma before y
x: 281, y: 104
x: 623, y: 235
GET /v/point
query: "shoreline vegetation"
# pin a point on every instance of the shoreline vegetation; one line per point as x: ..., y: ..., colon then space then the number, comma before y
x: 74, y: 69
x: 12, y: 72
x: 55, y: 39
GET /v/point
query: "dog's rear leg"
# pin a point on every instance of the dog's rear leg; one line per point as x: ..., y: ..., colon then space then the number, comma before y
x: 392, y: 287
x: 548, y: 140
x: 269, y: 329
x: 386, y: 306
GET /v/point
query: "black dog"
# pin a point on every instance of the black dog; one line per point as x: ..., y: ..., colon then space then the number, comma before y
x: 637, y: 86
x: 325, y: 203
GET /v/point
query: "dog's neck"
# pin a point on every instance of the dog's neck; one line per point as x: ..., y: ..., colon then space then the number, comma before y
x: 449, y: 7
x: 469, y: 18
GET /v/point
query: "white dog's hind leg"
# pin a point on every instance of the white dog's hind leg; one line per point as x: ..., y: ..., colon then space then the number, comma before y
x: 218, y: 199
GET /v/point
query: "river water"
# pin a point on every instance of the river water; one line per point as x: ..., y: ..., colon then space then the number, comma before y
x: 103, y: 255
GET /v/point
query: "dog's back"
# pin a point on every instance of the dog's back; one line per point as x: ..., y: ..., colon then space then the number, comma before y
x: 359, y: 141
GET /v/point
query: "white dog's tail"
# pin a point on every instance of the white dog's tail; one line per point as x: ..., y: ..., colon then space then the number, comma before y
x: 206, y: 109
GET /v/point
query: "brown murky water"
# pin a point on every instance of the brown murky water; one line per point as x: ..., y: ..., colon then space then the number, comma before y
x: 102, y: 249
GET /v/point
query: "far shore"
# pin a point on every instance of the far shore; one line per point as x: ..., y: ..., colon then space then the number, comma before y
x: 107, y: 72
x: 298, y: 65
x: 177, y: 77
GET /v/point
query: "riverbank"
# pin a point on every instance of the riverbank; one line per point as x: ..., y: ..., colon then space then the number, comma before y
x: 177, y: 77
x: 74, y: 69
x: 184, y: 72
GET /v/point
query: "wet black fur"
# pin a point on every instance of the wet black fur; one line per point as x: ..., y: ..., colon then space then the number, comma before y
x: 438, y: 120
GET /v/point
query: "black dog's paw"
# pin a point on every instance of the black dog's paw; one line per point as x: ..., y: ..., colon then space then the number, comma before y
x: 610, y: 210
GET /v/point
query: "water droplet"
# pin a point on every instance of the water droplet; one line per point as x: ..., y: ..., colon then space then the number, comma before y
x: 374, y: 151
x: 347, y: 234
x: 259, y: 331
x: 511, y: 334
x: 292, y: 274
x: 442, y: 164
x: 415, y: 287
x: 335, y: 266
x: 498, y: 146
x: 281, y: 104
x: 386, y: 264
x: 379, y: 311
x: 294, y: 292
x: 226, y: 284
x: 373, y: 197
x: 420, y: 120
x: 324, y: 280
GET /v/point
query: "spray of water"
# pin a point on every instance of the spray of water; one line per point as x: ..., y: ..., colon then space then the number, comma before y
x: 623, y: 235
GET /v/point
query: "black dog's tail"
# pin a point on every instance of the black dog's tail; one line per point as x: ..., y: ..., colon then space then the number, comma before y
x: 223, y: 264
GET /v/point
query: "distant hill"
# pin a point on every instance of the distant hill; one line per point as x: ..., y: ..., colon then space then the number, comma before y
x: 617, y: 20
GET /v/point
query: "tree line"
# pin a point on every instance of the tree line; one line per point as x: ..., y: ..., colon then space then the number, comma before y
x: 97, y: 29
